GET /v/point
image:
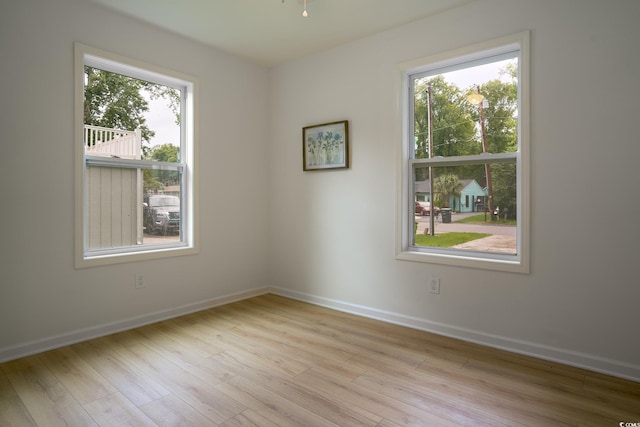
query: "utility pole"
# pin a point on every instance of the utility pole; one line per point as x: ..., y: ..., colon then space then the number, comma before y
x: 478, y: 99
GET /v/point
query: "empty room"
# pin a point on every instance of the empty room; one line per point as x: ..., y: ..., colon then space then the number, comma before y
x: 319, y: 212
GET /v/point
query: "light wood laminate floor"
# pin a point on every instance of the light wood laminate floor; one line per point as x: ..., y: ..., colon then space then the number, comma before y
x: 271, y: 361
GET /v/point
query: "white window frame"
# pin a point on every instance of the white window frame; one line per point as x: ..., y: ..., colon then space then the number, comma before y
x: 405, y: 249
x: 188, y: 243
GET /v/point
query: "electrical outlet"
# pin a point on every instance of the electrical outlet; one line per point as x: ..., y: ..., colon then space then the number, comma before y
x: 434, y: 285
x: 139, y: 281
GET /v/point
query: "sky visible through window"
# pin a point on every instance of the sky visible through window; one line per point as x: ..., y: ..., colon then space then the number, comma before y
x: 162, y: 121
x: 469, y: 77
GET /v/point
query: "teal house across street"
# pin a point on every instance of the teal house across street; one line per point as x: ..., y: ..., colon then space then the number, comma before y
x: 472, y: 198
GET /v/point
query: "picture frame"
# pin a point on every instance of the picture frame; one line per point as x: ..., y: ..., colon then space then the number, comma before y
x: 325, y: 146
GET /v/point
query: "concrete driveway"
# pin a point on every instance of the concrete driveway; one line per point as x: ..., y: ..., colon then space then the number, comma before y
x: 502, y: 239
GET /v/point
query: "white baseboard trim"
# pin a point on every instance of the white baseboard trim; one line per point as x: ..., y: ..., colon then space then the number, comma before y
x: 567, y: 357
x: 554, y: 354
x: 38, y: 346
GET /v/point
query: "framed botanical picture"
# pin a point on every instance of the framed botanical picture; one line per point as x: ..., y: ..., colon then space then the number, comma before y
x: 325, y: 146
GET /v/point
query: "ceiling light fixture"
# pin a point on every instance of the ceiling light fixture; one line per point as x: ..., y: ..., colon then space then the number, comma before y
x: 305, y: 13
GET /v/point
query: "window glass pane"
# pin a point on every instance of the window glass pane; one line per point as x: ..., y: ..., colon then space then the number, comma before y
x: 117, y: 106
x: 131, y: 207
x: 469, y: 214
x: 468, y: 111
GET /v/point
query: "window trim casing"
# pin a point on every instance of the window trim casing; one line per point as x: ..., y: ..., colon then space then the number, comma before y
x: 189, y: 244
x: 519, y: 263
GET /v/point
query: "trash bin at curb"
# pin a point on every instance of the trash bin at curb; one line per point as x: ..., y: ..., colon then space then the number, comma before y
x: 446, y: 215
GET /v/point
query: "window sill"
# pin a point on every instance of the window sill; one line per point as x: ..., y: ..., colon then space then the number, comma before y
x: 120, y: 258
x: 508, y: 263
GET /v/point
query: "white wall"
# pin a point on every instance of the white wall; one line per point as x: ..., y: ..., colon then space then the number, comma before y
x: 43, y: 299
x: 333, y: 233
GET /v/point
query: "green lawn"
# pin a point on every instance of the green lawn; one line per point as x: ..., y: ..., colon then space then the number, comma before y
x: 447, y: 240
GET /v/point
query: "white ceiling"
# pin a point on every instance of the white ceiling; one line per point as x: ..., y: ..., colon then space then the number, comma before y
x: 271, y: 32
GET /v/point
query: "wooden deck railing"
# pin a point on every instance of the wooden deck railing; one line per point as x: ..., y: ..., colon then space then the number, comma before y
x: 101, y: 141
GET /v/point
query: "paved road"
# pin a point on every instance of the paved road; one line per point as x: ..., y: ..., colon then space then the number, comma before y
x: 502, y: 239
